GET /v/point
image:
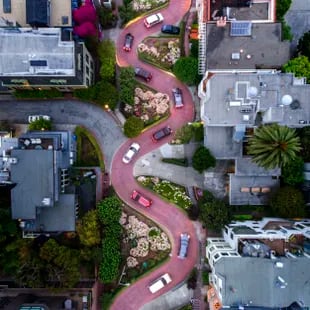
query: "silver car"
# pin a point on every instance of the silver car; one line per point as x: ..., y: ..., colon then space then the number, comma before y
x: 184, y: 242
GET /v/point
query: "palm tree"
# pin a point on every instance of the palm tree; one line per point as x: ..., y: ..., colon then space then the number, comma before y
x: 274, y: 146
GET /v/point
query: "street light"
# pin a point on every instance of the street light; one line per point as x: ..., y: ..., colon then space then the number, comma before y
x: 106, y: 107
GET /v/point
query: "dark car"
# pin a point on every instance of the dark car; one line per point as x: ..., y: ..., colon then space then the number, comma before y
x: 161, y: 133
x: 142, y: 200
x: 139, y: 72
x: 184, y: 242
x: 128, y: 42
x: 178, y: 97
x: 170, y: 29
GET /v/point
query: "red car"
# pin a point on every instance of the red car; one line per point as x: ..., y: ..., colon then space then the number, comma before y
x: 128, y: 42
x: 142, y: 200
x: 161, y: 133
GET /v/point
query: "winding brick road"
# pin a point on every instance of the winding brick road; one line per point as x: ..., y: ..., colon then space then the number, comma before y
x: 166, y: 215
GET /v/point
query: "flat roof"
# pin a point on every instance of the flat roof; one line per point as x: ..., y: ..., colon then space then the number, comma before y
x: 260, y: 281
x: 21, y: 45
x: 58, y: 10
x: 34, y: 178
x: 263, y: 48
x: 231, y: 97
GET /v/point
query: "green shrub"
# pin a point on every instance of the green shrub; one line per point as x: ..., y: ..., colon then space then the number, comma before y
x: 176, y: 161
x: 205, y: 277
x: 203, y: 159
x: 133, y: 127
x: 194, y: 48
x: 38, y: 94
x: 242, y: 217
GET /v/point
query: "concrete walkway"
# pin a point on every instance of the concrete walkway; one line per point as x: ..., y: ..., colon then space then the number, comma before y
x: 151, y: 164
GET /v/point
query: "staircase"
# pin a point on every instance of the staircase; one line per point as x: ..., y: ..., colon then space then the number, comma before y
x: 202, y: 48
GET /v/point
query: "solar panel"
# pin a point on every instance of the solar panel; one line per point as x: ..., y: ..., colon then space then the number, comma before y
x: 38, y: 63
x: 240, y: 28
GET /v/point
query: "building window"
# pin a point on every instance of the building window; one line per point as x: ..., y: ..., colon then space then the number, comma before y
x: 231, y: 235
x: 87, y: 82
x: 87, y: 70
x: 87, y: 58
x: 92, y: 64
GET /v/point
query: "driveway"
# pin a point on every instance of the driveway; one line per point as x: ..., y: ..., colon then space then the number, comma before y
x: 108, y: 134
x: 171, y: 219
x: 298, y: 17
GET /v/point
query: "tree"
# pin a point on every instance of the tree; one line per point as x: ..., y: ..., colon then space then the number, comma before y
x: 303, y: 47
x: 40, y: 124
x: 186, y: 70
x: 127, y: 85
x: 203, y: 159
x: 106, y: 93
x: 133, y: 126
x: 288, y: 202
x: 274, y: 146
x: 282, y: 7
x: 293, y: 173
x: 109, y: 210
x: 214, y: 214
x: 300, y: 66
x: 106, y: 52
x: 305, y: 142
x: 88, y: 229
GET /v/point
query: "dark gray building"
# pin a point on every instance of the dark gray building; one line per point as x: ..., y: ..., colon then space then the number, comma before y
x: 43, y: 199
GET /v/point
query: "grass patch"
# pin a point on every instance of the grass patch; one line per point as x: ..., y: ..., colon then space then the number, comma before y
x: 170, y: 191
x: 183, y: 162
x: 242, y: 217
x: 88, y: 150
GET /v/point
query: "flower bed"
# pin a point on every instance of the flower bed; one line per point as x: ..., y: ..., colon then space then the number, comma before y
x: 170, y: 191
x: 163, y: 52
x: 148, y: 105
x: 143, y: 244
x: 144, y: 5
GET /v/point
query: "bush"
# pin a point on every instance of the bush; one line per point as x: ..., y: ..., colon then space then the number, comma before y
x: 40, y: 94
x: 293, y: 173
x: 282, y: 6
x: 176, y: 161
x: 205, y: 277
x: 193, y: 212
x: 106, y: 53
x: 40, y: 124
x: 194, y: 48
x: 203, y: 159
x: 133, y: 127
x: 186, y: 70
x: 127, y: 85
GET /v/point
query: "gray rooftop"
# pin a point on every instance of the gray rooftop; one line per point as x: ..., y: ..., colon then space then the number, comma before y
x: 263, y: 48
x: 20, y: 46
x: 245, y: 167
x: 237, y: 98
x: 255, y: 281
x: 34, y: 178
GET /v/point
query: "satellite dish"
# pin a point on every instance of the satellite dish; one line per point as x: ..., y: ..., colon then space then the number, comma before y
x: 253, y: 91
x: 286, y: 100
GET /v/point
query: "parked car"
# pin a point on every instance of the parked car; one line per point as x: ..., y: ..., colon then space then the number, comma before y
x: 152, y: 20
x: 132, y: 151
x: 141, y: 73
x: 160, y: 283
x: 33, y: 118
x: 170, y: 29
x: 161, y: 133
x: 184, y: 242
x: 178, y: 97
x: 142, y: 200
x: 128, y: 42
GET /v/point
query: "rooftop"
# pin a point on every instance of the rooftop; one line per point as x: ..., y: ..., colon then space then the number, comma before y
x: 228, y: 50
x: 242, y: 98
x: 28, y: 52
x: 286, y: 282
x: 60, y: 12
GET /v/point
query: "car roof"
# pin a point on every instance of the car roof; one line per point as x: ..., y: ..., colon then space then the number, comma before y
x: 184, y: 244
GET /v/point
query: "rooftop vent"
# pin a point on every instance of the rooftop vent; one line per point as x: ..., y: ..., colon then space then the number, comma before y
x: 46, y: 201
x: 253, y: 91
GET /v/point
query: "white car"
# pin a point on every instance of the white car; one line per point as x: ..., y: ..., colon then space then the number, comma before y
x: 153, y: 20
x: 132, y: 151
x: 160, y: 283
x: 33, y: 118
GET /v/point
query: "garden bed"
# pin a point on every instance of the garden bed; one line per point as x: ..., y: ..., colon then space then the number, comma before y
x: 170, y: 191
x: 160, y: 51
x: 144, y: 244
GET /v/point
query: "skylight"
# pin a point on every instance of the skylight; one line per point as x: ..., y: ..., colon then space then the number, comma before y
x: 240, y: 28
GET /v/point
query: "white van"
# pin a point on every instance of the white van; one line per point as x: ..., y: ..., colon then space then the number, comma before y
x: 153, y: 20
x: 159, y: 283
